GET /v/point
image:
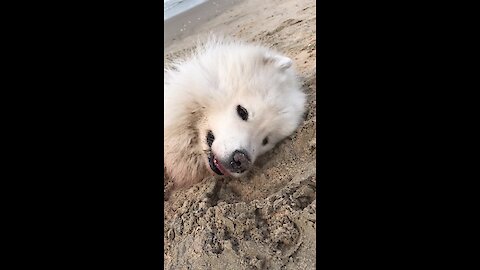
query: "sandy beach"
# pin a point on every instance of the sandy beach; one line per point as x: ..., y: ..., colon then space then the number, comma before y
x: 186, y: 18
x: 265, y: 220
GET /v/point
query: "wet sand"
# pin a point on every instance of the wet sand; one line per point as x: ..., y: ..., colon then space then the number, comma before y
x: 187, y: 22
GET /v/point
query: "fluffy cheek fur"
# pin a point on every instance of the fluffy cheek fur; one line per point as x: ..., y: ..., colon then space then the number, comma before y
x: 183, y: 153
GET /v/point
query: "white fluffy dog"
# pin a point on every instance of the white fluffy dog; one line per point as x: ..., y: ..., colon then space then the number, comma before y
x: 227, y: 104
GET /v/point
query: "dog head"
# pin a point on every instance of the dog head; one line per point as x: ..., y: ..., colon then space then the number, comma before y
x: 255, y: 102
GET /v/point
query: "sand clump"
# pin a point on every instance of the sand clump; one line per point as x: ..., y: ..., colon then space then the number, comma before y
x: 267, y: 219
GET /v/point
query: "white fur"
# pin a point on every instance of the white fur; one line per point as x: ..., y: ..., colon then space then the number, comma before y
x: 202, y: 93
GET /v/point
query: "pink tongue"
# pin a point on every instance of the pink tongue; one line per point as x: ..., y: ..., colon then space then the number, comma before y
x: 219, y: 166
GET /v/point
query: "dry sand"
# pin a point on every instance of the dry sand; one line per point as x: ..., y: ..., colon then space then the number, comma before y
x: 265, y: 220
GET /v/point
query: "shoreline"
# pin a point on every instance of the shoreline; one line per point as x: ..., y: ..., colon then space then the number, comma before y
x: 183, y: 23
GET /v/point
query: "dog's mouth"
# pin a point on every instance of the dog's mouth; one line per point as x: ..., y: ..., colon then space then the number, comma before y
x: 216, y: 165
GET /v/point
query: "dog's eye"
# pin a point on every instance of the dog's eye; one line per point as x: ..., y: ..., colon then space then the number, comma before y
x: 242, y: 112
x: 265, y: 141
x: 210, y: 138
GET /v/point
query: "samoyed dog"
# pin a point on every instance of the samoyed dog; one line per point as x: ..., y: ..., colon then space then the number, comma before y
x: 225, y: 105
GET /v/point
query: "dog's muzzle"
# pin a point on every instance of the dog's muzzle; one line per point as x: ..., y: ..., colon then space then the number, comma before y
x: 238, y: 162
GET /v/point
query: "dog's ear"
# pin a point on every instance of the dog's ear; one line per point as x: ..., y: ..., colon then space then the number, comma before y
x: 279, y: 61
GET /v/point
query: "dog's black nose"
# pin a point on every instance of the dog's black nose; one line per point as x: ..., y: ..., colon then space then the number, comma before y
x: 239, y: 161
